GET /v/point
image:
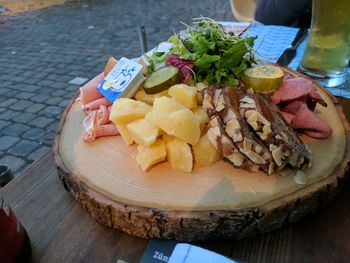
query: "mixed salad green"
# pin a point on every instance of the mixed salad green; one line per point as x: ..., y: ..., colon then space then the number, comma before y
x: 212, y: 53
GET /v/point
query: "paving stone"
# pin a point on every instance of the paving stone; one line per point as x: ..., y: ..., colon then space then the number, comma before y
x: 7, y: 141
x: 37, y: 154
x: 59, y: 92
x: 21, y: 105
x: 53, y: 76
x: 41, y: 122
x: 45, y: 82
x: 23, y: 148
x: 35, y: 108
x: 54, y: 101
x: 24, y: 117
x: 8, y: 115
x: 46, y: 91
x: 3, y: 124
x: 24, y: 95
x: 53, y: 126
x: 15, y: 163
x: 40, y: 98
x: 64, y: 103
x: 51, y: 111
x: 8, y: 102
x: 48, y: 138
x: 3, y: 91
x: 15, y: 129
x: 33, y: 134
x: 32, y: 80
x: 72, y: 87
x: 78, y: 81
x: 31, y: 88
x: 58, y: 85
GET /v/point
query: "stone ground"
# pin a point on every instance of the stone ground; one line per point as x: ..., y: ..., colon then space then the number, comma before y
x: 42, y: 51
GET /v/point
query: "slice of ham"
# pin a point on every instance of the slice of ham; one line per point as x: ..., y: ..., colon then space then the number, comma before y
x: 297, y: 98
x: 298, y: 89
x: 89, y: 92
x: 95, y: 105
x: 310, y: 123
x: 93, y: 130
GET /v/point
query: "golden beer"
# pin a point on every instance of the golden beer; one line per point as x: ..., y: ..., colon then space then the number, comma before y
x: 327, y: 53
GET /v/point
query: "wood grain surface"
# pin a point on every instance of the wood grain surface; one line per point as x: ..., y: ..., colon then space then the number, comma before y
x: 62, y: 231
x: 225, y: 202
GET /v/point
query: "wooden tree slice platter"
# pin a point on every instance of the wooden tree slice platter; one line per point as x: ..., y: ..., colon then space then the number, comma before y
x: 212, y: 202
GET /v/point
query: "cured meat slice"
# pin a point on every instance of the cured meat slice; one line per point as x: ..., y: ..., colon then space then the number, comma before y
x: 297, y: 98
x: 299, y: 88
x: 311, y: 124
x: 95, y: 105
x: 89, y: 92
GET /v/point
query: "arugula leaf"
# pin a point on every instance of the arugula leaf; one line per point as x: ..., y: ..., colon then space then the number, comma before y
x: 218, y: 56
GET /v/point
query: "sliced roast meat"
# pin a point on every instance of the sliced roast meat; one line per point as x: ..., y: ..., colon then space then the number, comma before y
x: 217, y: 134
x: 236, y: 127
x: 224, y: 145
x: 284, y: 144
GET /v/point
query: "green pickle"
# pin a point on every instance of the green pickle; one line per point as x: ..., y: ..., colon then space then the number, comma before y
x: 162, y: 79
x: 263, y: 78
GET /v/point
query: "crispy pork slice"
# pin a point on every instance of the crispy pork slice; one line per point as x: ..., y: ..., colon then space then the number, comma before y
x: 224, y: 145
x: 227, y: 105
x: 264, y: 118
x: 218, y: 136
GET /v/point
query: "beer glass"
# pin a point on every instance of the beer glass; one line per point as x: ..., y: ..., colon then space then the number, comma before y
x: 327, y: 53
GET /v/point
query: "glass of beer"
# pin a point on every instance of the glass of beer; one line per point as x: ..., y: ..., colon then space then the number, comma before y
x: 327, y: 53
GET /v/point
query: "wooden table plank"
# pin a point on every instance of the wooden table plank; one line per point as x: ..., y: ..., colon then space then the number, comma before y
x: 62, y: 231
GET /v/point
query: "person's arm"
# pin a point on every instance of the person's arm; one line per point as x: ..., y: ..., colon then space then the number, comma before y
x: 283, y: 12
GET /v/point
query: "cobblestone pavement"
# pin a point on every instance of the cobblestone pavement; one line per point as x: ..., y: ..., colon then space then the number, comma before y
x: 42, y: 51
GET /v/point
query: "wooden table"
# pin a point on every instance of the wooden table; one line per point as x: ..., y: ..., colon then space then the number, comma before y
x: 62, y: 231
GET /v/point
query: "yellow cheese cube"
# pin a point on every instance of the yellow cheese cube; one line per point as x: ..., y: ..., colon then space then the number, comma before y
x: 126, y: 110
x: 202, y: 118
x: 141, y: 95
x: 205, y: 153
x: 179, y: 154
x: 151, y: 155
x: 125, y: 134
x: 143, y: 132
x: 184, y: 94
x: 175, y: 119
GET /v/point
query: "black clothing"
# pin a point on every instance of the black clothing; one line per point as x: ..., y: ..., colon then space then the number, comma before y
x: 284, y: 12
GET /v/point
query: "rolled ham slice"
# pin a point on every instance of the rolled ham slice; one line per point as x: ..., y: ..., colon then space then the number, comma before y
x: 299, y: 98
x: 89, y: 92
x: 310, y: 123
x: 298, y: 89
x: 94, y: 131
x: 95, y: 105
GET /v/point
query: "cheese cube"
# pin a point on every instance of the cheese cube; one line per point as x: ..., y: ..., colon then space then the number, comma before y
x: 184, y: 94
x: 151, y: 155
x: 179, y: 154
x: 143, y: 132
x: 126, y: 110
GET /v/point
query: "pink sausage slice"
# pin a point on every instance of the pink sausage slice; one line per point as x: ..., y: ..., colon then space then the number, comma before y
x: 95, y: 105
x: 89, y: 91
